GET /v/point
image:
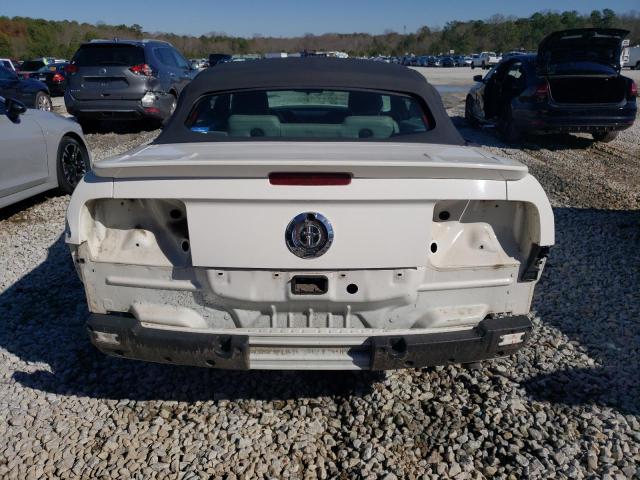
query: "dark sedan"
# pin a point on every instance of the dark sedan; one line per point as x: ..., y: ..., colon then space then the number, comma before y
x: 29, y: 67
x: 54, y: 76
x: 573, y: 84
x: 447, y: 62
x: 32, y: 93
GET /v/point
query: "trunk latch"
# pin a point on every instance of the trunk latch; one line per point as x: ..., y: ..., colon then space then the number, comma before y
x: 309, y: 285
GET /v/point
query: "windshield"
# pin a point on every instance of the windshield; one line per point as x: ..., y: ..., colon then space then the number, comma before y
x: 109, y: 54
x: 310, y: 114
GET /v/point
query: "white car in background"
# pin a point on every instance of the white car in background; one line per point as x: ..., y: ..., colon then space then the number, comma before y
x: 40, y: 151
x: 631, y: 57
x: 309, y: 213
x: 7, y: 63
x: 485, y: 60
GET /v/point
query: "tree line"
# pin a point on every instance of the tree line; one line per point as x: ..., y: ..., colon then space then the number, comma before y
x: 22, y: 37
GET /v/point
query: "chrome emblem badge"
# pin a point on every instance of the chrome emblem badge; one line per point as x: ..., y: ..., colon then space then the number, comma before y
x: 309, y: 235
x: 102, y: 71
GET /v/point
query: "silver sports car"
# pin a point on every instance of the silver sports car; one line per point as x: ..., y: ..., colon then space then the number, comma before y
x: 39, y: 151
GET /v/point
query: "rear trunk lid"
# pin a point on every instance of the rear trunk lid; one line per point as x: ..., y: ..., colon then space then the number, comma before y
x: 238, y: 218
x: 586, y: 51
x: 104, y: 72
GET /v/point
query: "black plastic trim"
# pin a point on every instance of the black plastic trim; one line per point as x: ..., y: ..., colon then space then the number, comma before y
x: 168, y: 346
x: 232, y: 351
x: 534, y: 263
x: 466, y: 346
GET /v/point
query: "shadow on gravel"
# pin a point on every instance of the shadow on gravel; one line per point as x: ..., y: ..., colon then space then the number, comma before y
x: 488, y: 137
x: 589, y: 292
x: 42, y: 322
x: 122, y: 127
x: 15, y: 209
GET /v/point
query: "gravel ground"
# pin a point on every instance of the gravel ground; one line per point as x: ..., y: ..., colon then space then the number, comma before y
x: 567, y: 406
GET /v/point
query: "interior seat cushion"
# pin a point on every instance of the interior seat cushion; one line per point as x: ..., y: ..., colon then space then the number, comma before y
x: 369, y: 127
x: 254, y: 126
x: 311, y: 130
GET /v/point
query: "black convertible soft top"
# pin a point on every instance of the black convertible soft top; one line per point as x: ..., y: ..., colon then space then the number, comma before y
x: 311, y: 72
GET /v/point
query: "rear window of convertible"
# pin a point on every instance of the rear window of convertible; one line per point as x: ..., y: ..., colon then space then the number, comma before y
x: 308, y: 114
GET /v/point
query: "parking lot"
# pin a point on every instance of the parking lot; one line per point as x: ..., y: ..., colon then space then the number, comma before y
x: 566, y: 406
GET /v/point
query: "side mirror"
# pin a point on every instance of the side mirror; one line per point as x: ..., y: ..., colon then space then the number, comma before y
x: 477, y: 78
x: 14, y: 108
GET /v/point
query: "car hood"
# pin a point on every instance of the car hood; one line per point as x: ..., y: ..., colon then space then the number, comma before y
x: 259, y: 159
x: 579, y: 51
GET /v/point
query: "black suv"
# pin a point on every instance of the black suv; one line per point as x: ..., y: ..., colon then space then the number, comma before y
x: 125, y: 79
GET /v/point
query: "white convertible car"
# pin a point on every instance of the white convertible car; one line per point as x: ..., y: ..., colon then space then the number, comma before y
x: 309, y: 214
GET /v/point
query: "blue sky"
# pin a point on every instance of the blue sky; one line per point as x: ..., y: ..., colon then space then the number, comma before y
x: 290, y: 17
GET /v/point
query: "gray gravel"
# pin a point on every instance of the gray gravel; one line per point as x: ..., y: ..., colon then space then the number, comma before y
x: 567, y: 406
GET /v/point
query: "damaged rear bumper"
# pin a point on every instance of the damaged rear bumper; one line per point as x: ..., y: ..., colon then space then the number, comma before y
x: 316, y: 349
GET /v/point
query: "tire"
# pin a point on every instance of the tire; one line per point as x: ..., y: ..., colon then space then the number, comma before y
x: 604, y: 137
x: 638, y: 65
x: 506, y: 126
x: 72, y: 164
x: 468, y: 112
x: 472, y: 66
x: 174, y: 104
x: 43, y: 102
x: 484, y: 66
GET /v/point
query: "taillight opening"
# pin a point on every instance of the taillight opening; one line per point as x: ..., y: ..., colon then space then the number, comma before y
x: 633, y: 89
x: 71, y: 68
x: 542, y: 91
x: 142, y: 69
x: 57, y: 78
x: 309, y: 179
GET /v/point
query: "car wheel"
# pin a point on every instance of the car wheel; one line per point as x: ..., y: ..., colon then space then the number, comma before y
x: 473, y: 66
x: 484, y: 66
x: 637, y: 65
x: 172, y: 108
x: 468, y: 113
x: 604, y: 137
x: 174, y: 104
x: 43, y: 102
x: 73, y: 163
x: 506, y: 126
